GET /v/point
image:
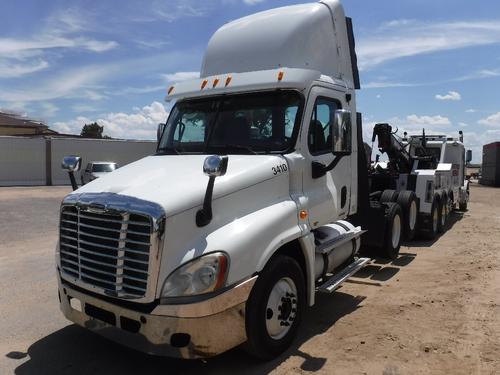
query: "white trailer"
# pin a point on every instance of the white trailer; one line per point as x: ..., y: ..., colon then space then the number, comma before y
x: 256, y: 199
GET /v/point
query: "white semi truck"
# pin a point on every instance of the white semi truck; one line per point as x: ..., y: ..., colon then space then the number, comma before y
x: 257, y: 198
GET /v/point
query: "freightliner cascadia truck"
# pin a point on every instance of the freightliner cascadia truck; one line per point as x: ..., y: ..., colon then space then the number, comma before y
x: 257, y: 198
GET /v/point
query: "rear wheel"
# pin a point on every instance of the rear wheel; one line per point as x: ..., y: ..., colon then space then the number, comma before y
x: 443, y: 214
x: 275, y: 308
x: 462, y: 206
x: 394, y: 220
x: 408, y: 202
x: 430, y: 227
x: 389, y: 196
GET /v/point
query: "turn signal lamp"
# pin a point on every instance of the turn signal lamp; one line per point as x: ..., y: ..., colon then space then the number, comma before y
x: 203, y: 84
x: 303, y: 214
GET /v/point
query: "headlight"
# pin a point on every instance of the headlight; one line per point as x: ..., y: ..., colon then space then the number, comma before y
x: 202, y: 275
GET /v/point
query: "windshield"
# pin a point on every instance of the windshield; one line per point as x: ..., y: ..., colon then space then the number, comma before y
x: 246, y: 123
x: 103, y: 167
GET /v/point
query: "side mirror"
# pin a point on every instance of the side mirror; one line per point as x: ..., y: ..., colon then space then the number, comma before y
x: 214, y: 166
x: 341, y: 132
x: 159, y: 131
x: 468, y: 157
x: 72, y: 164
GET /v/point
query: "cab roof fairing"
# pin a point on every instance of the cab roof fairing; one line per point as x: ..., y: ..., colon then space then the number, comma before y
x: 299, y: 79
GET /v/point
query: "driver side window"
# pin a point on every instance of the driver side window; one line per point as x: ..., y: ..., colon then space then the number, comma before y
x: 319, y: 138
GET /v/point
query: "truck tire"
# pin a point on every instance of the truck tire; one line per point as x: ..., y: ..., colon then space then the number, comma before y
x: 462, y: 206
x: 393, y: 233
x: 389, y: 196
x: 443, y: 214
x: 275, y: 308
x: 408, y: 202
x: 430, y: 229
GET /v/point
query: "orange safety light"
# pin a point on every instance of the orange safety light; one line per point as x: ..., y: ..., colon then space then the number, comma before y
x: 216, y: 82
x: 203, y: 84
x: 170, y: 90
x: 280, y: 75
x: 303, y: 214
x: 228, y: 80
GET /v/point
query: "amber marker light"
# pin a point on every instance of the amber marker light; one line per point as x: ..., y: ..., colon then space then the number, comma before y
x: 171, y: 88
x: 280, y: 75
x: 303, y: 214
x: 203, y: 84
x: 228, y: 80
x: 216, y: 82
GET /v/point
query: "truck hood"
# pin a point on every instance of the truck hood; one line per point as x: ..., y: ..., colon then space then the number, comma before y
x: 177, y: 182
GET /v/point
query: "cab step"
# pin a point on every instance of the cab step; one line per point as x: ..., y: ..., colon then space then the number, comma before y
x: 334, y: 282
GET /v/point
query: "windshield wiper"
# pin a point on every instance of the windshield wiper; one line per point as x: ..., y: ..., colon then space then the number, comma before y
x: 236, y: 147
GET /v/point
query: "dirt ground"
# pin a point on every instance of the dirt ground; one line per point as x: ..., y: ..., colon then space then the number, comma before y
x: 434, y: 310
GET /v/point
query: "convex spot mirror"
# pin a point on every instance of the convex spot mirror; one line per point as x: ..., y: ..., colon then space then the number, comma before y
x: 215, y: 165
x: 71, y: 163
x: 468, y: 157
x: 341, y: 131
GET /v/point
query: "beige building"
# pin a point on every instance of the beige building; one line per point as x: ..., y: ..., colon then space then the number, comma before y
x: 12, y: 124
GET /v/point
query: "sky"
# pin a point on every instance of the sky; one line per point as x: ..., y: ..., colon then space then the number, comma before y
x: 423, y: 63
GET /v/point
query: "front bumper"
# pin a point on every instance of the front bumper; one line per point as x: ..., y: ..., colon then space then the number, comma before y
x: 197, y: 330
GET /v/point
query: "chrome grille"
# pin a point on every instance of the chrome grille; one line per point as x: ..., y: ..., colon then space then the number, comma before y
x: 109, y: 250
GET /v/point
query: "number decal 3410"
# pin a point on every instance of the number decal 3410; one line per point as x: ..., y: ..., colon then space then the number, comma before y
x: 281, y: 168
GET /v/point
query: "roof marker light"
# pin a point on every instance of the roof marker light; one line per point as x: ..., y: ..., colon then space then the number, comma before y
x: 216, y: 82
x: 203, y: 84
x: 170, y: 90
x: 280, y: 75
x: 228, y: 80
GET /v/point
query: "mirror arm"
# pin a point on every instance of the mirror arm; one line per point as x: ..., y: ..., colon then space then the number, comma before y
x: 73, y: 180
x: 319, y: 169
x: 204, y: 216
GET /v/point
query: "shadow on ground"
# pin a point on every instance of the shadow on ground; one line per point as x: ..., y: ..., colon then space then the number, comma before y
x: 74, y: 350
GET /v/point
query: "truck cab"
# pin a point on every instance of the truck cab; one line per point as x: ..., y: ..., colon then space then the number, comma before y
x: 255, y: 200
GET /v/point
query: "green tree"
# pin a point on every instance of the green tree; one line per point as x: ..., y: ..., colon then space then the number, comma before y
x: 93, y: 130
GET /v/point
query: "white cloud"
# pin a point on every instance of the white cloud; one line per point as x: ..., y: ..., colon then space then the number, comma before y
x: 9, y: 69
x: 378, y: 96
x: 452, y: 95
x: 463, y: 124
x: 140, y: 124
x: 386, y: 84
x: 480, y: 74
x: 48, y: 109
x: 437, y: 120
x: 403, y: 39
x: 253, y: 2
x: 175, y: 9
x: 493, y: 120
x: 471, y: 110
x: 180, y: 76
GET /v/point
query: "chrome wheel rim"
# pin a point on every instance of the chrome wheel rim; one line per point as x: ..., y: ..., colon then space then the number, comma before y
x: 412, y: 220
x: 396, y: 231
x: 281, y: 308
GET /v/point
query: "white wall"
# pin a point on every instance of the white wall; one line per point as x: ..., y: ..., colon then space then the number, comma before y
x: 121, y: 152
x: 22, y: 161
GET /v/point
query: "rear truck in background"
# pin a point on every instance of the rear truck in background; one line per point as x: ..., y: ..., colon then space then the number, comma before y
x: 425, y: 174
x: 257, y: 198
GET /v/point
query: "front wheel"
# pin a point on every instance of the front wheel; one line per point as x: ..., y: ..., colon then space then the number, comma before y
x: 275, y: 308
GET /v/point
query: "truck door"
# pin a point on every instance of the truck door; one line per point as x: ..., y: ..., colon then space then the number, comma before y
x: 329, y: 195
